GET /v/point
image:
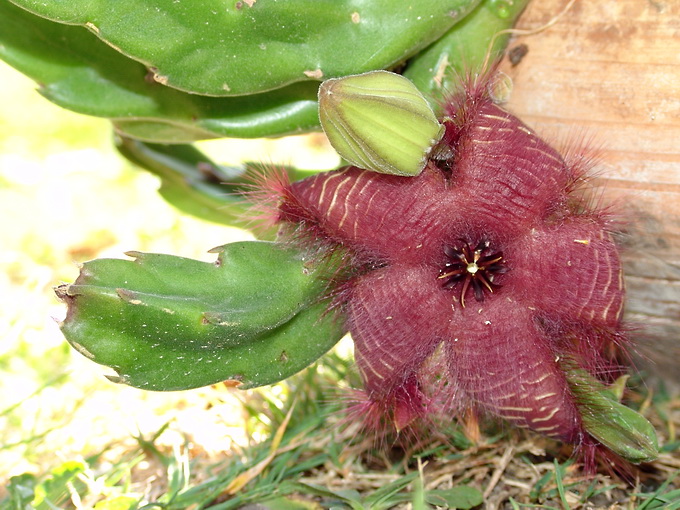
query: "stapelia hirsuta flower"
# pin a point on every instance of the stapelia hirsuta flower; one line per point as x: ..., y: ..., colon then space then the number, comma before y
x: 482, y: 282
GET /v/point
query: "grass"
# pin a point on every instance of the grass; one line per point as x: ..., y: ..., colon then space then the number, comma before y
x: 308, y: 458
x: 71, y: 439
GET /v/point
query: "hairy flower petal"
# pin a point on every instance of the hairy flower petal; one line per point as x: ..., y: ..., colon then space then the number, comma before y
x: 572, y: 271
x: 397, y: 318
x: 505, y: 176
x: 383, y: 216
x: 502, y: 360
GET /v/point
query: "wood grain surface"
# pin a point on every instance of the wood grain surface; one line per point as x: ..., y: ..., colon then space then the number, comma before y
x: 608, y: 71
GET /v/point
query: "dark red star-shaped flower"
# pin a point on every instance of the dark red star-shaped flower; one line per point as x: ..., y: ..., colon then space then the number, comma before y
x: 484, y: 267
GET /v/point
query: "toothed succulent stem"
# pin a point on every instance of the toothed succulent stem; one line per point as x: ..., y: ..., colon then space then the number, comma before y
x: 254, y: 317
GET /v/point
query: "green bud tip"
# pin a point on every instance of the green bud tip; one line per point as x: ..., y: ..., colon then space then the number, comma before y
x: 623, y: 431
x: 619, y: 428
x: 379, y: 121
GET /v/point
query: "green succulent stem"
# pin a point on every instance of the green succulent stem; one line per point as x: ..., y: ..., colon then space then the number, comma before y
x: 255, y: 316
x: 213, y: 48
x: 464, y: 50
x: 196, y: 185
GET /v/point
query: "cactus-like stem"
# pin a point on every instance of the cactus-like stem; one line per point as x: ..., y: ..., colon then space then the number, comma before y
x: 196, y: 185
x: 255, y: 316
x: 437, y: 70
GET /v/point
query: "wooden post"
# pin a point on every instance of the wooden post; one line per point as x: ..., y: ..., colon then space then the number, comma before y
x: 609, y: 71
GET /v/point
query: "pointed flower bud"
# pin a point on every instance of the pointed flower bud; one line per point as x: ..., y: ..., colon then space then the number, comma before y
x: 379, y: 121
x: 621, y: 429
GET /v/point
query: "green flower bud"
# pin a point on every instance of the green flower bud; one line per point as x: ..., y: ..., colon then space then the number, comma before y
x: 379, y: 121
x: 622, y: 430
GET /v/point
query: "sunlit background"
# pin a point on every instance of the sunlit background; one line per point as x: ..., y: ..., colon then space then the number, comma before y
x: 67, y: 197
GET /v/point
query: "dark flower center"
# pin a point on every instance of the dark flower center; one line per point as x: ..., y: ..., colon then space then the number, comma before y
x: 476, y: 268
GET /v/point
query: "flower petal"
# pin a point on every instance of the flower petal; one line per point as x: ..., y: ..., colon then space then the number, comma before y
x: 505, y: 175
x: 504, y: 364
x: 572, y: 272
x: 382, y: 216
x: 397, y: 318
